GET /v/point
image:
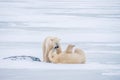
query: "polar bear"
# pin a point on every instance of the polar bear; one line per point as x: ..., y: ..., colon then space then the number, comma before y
x: 81, y: 54
x: 69, y: 49
x: 67, y: 57
x: 49, y: 43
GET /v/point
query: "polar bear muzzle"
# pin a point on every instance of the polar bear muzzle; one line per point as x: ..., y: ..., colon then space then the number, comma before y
x: 57, y: 46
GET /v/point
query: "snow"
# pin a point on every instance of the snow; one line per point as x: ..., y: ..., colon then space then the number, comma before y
x: 111, y: 73
x: 92, y: 25
x: 50, y: 66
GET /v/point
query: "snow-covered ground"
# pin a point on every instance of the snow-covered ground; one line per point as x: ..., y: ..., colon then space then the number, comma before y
x: 92, y: 25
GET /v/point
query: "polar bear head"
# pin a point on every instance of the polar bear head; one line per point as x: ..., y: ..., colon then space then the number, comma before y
x: 48, y: 44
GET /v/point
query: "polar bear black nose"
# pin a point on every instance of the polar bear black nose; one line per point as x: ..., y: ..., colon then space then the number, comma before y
x: 56, y: 46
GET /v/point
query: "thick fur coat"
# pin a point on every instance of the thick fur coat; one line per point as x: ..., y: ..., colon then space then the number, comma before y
x: 48, y: 44
x: 68, y: 56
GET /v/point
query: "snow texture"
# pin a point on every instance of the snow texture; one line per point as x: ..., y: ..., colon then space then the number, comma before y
x: 92, y: 25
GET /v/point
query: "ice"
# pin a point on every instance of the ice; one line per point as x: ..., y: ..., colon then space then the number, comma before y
x: 92, y: 25
x: 111, y: 73
x: 50, y: 66
x: 22, y: 58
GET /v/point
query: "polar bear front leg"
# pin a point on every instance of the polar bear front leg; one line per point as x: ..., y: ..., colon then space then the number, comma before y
x: 69, y: 49
x: 46, y: 58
